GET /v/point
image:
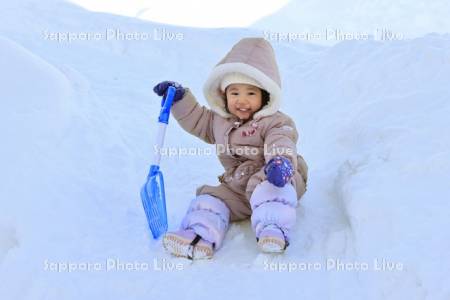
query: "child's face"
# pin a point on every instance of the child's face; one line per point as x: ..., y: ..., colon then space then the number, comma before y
x: 243, y: 100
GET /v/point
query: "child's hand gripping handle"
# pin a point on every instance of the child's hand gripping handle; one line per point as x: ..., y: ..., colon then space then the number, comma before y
x: 166, y: 105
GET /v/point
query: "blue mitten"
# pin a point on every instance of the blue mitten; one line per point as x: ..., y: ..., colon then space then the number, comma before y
x: 279, y: 171
x: 161, y: 88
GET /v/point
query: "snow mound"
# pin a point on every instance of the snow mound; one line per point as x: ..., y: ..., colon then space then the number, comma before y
x: 376, y: 133
x: 79, y: 119
x: 35, y: 99
x: 36, y: 109
x: 329, y: 22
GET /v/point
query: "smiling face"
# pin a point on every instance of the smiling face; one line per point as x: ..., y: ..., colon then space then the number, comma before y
x: 243, y: 100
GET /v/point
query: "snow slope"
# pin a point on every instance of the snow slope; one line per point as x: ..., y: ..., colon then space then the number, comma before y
x: 201, y: 13
x: 397, y: 19
x: 78, y: 122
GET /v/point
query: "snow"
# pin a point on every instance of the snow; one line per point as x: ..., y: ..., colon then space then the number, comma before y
x: 328, y: 22
x: 214, y: 13
x: 78, y: 120
x: 36, y: 109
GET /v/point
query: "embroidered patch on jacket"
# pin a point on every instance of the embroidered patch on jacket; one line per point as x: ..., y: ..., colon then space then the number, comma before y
x: 251, y: 131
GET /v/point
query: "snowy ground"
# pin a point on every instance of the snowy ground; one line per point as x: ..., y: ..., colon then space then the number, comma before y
x: 78, y: 120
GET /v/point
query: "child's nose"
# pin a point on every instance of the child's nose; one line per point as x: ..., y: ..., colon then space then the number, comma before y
x: 242, y: 100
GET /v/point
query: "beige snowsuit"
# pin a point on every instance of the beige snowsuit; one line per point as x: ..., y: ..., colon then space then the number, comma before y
x: 243, y: 148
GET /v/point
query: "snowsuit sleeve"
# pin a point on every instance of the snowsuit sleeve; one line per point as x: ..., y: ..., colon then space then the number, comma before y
x: 280, y: 138
x: 195, y: 119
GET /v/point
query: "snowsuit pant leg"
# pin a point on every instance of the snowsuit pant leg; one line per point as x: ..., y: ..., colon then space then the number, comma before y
x: 209, y: 217
x: 237, y: 202
x: 272, y: 205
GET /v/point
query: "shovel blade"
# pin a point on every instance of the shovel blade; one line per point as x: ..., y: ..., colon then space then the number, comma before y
x: 154, y: 202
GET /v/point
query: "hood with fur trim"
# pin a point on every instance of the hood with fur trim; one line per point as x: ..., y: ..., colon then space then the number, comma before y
x: 253, y: 57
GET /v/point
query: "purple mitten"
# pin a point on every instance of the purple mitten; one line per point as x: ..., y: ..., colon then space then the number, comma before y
x: 161, y: 89
x: 279, y: 171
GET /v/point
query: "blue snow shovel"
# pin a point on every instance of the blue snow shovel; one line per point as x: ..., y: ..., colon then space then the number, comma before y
x: 152, y: 193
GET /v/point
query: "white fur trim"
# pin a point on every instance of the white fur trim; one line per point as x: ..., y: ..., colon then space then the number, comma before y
x: 233, y: 78
x: 214, y: 96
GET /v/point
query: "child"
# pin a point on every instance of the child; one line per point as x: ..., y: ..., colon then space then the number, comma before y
x: 256, y: 143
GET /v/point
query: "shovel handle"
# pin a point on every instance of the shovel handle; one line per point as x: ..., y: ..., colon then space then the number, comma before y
x: 166, y: 105
x: 163, y: 121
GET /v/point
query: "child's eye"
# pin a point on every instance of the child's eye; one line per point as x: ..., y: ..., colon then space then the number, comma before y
x: 234, y: 93
x: 252, y: 93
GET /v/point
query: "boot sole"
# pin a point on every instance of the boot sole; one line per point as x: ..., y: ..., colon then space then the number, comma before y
x: 271, y: 245
x: 180, y: 247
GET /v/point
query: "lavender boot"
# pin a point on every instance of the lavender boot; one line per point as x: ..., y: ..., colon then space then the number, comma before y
x: 202, y: 229
x: 273, y: 215
x: 272, y: 240
x: 186, y: 243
